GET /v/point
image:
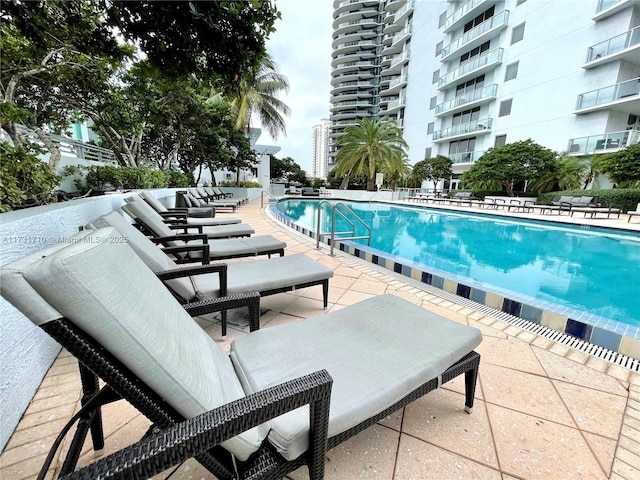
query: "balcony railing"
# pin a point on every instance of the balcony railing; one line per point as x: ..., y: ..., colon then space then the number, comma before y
x: 460, y: 12
x: 476, y: 126
x: 499, y: 20
x: 609, y: 94
x: 604, y: 4
x: 490, y: 91
x: 602, y: 143
x: 466, y: 157
x: 494, y: 56
x: 614, y: 44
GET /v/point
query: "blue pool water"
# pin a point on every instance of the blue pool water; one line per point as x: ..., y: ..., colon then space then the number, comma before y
x: 594, y: 270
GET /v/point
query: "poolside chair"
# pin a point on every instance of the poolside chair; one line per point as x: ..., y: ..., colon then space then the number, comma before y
x: 150, y: 220
x: 218, y: 191
x: 348, y: 369
x: 196, y: 283
x: 633, y: 213
x: 204, y: 199
x: 184, y: 213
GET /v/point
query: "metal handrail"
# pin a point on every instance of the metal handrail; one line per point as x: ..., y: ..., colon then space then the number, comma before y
x: 334, y: 211
x: 262, y: 197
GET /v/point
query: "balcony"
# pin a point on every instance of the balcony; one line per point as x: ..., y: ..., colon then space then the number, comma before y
x: 607, y: 8
x: 347, y: 48
x: 624, y: 46
x: 394, y: 106
x: 465, y: 12
x: 604, y: 143
x: 466, y: 157
x: 477, y: 66
x: 476, y: 36
x: 468, y: 100
x: 397, y: 61
x: 338, y: 106
x: 623, y: 97
x: 352, y: 67
x: 470, y: 129
x: 396, y: 85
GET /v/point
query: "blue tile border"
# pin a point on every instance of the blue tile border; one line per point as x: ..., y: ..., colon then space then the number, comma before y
x: 594, y: 329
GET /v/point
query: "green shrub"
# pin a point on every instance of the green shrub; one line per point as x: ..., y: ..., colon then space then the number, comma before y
x: 623, y: 198
x: 24, y: 179
x: 178, y: 179
x: 240, y: 184
x: 104, y: 178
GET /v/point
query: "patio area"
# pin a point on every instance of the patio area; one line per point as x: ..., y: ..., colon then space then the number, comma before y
x: 543, y: 410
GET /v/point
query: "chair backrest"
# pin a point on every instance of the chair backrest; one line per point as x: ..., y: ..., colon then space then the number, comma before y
x: 151, y: 220
x: 151, y: 255
x: 100, y: 285
x: 153, y: 202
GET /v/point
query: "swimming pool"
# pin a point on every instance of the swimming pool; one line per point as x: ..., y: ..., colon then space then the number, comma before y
x: 587, y: 274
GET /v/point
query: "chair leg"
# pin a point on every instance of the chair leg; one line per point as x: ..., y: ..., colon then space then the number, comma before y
x: 470, y: 380
x: 325, y: 293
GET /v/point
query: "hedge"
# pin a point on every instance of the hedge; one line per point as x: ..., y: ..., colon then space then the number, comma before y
x: 623, y: 198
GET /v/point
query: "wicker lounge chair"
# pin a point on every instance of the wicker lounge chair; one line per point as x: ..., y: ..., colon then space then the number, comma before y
x: 185, y: 213
x: 202, y: 196
x: 217, y: 191
x: 196, y: 283
x: 243, y: 413
x: 151, y: 220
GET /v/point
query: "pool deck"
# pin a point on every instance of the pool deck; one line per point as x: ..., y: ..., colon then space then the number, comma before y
x: 543, y: 410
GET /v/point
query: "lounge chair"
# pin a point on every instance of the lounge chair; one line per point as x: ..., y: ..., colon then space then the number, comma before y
x: 218, y: 191
x: 348, y: 369
x: 633, y: 213
x: 216, y: 249
x: 150, y: 220
x: 184, y: 213
x: 204, y: 197
x: 196, y: 283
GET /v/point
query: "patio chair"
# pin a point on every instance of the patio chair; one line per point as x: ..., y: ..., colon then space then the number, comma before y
x: 184, y: 213
x: 193, y: 247
x: 633, y: 213
x: 218, y: 191
x: 151, y: 220
x: 347, y: 369
x: 203, y: 197
x: 196, y: 283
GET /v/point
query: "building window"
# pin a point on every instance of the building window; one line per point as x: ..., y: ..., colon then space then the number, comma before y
x: 439, y: 49
x: 467, y: 57
x: 427, y: 152
x: 442, y: 19
x: 483, y: 17
x: 511, y: 72
x: 473, y: 84
x: 500, y: 141
x: 430, y: 128
x: 517, y: 33
x: 505, y: 108
x: 436, y: 76
x: 432, y: 103
x: 466, y: 116
x: 461, y: 146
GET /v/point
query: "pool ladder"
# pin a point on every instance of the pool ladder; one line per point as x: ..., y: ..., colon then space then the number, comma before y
x: 343, y: 214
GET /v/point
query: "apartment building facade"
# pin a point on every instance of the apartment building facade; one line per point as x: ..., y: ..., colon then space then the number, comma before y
x: 461, y: 77
x: 320, y: 147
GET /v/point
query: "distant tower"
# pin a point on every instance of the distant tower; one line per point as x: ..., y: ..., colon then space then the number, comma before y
x: 320, y: 149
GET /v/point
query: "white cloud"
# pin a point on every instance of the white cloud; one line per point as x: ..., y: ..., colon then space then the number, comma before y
x: 301, y: 49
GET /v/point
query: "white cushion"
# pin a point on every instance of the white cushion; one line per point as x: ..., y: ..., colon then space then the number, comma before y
x: 376, y: 351
x: 103, y: 287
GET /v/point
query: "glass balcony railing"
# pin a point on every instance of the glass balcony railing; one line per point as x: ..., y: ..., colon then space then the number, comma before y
x: 498, y: 20
x: 494, y: 56
x: 460, y: 12
x: 476, y: 126
x: 614, y: 44
x: 602, y: 143
x: 466, y: 157
x: 609, y: 94
x: 490, y: 91
x: 604, y: 4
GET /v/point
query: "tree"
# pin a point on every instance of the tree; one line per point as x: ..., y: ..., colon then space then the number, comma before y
x: 207, y: 38
x: 368, y: 147
x: 623, y: 167
x: 287, y: 170
x: 433, y: 169
x: 512, y: 163
x: 566, y: 173
x: 397, y: 170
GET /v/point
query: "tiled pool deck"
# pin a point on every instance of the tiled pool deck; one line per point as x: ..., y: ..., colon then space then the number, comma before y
x: 543, y: 409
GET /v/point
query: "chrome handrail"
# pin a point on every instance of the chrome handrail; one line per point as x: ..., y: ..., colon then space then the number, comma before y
x: 262, y: 197
x: 334, y: 212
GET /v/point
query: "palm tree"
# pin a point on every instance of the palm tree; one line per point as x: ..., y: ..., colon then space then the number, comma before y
x: 567, y: 174
x: 368, y: 147
x: 258, y: 95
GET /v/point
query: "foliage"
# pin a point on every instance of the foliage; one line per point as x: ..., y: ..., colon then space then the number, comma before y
x: 224, y: 39
x: 623, y: 198
x: 368, y: 147
x: 177, y: 179
x: 287, y: 170
x: 510, y: 164
x: 241, y: 184
x: 318, y: 182
x: 432, y: 169
x: 355, y: 182
x: 622, y: 168
x: 104, y: 178
x: 565, y: 173
x: 24, y: 178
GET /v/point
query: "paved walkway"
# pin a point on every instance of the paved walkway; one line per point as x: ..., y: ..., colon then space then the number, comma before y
x: 542, y: 410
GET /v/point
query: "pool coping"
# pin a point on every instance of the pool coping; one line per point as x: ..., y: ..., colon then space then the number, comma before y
x: 606, y: 333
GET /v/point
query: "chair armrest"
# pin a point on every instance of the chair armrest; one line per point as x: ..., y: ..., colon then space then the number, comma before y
x: 219, y: 268
x: 157, y: 453
x: 201, y: 247
x: 173, y: 215
x: 186, y: 237
x: 213, y: 305
x: 184, y: 227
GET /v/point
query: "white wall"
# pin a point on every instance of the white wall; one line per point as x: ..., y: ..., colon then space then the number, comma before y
x: 26, y: 352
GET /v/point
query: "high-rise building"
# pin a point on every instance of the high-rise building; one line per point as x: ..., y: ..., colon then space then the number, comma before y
x: 320, y: 161
x: 461, y: 77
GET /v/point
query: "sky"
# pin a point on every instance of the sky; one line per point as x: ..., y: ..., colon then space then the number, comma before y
x: 301, y: 49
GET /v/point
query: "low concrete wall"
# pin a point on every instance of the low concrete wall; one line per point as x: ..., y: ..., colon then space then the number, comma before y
x: 26, y: 352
